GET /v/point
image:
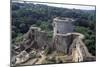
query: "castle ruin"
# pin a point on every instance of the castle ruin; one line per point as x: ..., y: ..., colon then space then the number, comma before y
x: 64, y: 40
x: 68, y: 41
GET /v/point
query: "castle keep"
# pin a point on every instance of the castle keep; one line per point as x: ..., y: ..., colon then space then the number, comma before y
x: 62, y: 25
x: 68, y: 41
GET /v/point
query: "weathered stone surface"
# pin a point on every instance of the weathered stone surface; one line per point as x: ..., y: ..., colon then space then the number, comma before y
x: 22, y: 57
x: 62, y: 25
x: 72, y: 45
x: 62, y: 42
x: 35, y: 38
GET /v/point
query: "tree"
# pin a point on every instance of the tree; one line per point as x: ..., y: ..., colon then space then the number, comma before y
x: 23, y: 28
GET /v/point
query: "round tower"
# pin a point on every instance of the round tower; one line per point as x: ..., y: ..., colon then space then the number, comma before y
x: 62, y: 25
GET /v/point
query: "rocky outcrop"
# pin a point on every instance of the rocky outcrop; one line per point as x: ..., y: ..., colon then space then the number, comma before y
x: 22, y: 57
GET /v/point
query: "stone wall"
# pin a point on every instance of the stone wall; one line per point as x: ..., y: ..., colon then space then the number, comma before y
x: 35, y: 38
x: 62, y: 42
x: 72, y: 44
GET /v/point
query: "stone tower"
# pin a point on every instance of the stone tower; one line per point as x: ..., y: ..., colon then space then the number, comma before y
x: 62, y: 25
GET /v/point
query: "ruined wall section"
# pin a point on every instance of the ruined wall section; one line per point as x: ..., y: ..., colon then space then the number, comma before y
x: 35, y: 38
x: 62, y: 42
x: 72, y: 44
